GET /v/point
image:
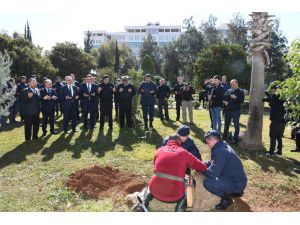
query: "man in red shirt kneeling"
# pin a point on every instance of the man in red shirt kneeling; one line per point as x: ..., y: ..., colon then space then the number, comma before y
x: 170, y: 164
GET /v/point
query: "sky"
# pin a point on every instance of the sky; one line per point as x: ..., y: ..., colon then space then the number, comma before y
x: 65, y: 20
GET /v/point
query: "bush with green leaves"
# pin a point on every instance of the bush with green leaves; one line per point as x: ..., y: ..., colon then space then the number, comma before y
x: 148, y: 65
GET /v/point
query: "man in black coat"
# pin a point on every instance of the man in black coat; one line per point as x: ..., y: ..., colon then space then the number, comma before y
x: 125, y: 91
x: 88, y: 92
x: 69, y: 95
x: 106, y: 91
x: 48, y: 98
x: 56, y: 86
x: 278, y: 122
x: 31, y: 109
x: 116, y: 98
x: 163, y: 94
x: 178, y: 96
x: 20, y: 87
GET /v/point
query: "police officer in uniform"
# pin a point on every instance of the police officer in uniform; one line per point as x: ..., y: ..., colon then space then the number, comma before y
x: 20, y: 87
x: 148, y: 91
x: 116, y: 98
x: 225, y: 174
x: 163, y: 94
x: 106, y: 92
x: 178, y: 96
x: 125, y: 91
x: 48, y: 98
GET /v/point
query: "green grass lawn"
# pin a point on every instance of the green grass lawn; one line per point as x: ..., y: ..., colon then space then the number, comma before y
x: 32, y: 175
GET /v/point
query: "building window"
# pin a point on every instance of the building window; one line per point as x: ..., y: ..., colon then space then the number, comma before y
x: 143, y: 30
x: 161, y: 30
x: 167, y: 30
x: 174, y: 30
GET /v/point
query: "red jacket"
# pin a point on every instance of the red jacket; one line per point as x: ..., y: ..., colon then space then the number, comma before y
x: 172, y: 159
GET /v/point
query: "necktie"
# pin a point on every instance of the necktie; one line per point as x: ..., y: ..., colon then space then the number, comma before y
x: 70, y: 89
x: 89, y: 87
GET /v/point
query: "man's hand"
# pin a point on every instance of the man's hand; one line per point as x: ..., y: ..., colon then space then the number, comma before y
x: 233, y: 96
x: 129, y: 90
x: 151, y: 92
x: 99, y: 89
x: 85, y: 95
x: 225, y: 103
x: 54, y: 97
x: 142, y: 90
x: 77, y: 97
x: 30, y: 95
x: 209, y: 97
x: 47, y: 97
x: 114, y: 89
x: 68, y: 97
x: 121, y: 90
x: 93, y: 94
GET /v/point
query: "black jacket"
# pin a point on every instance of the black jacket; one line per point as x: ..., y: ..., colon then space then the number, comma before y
x: 217, y: 96
x: 125, y: 95
x: 234, y: 104
x: 31, y: 106
x: 163, y: 92
x: 277, y: 111
x: 187, y: 95
x: 106, y: 94
x: 176, y: 90
x: 48, y: 105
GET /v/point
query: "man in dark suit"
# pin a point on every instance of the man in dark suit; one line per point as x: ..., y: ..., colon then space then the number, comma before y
x: 88, y: 101
x: 125, y: 91
x: 106, y: 91
x: 48, y: 98
x: 69, y: 96
x: 31, y: 109
x: 77, y: 84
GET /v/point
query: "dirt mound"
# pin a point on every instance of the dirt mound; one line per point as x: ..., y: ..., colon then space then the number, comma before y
x: 101, y: 182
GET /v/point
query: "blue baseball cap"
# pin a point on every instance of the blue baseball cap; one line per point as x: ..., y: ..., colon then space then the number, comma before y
x: 183, y: 130
x: 212, y: 132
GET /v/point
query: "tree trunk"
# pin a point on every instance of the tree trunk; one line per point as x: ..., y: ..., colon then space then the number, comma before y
x: 252, y: 139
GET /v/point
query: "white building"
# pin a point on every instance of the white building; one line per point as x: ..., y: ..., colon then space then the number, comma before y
x: 133, y: 36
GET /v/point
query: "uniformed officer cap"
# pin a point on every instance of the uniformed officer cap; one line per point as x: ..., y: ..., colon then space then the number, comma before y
x: 183, y: 130
x: 105, y: 76
x: 23, y: 77
x: 125, y: 77
x: 212, y: 132
x: 148, y: 75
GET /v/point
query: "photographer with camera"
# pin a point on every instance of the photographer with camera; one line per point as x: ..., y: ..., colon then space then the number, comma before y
x: 187, y: 92
x: 278, y: 122
x: 215, y: 99
x: 233, y: 99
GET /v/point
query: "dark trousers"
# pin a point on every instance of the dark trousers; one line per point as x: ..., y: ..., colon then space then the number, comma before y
x: 70, y: 114
x: 106, y: 111
x: 148, y: 110
x: 92, y: 112
x: 180, y: 206
x: 48, y: 116
x: 276, y: 133
x: 125, y: 112
x: 163, y: 103
x: 178, y: 104
x: 222, y: 186
x: 12, y: 113
x: 297, y: 138
x: 32, y: 123
x: 235, y: 116
x: 58, y: 107
x: 117, y: 108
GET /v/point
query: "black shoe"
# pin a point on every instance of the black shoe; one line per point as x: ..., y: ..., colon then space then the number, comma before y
x: 151, y: 125
x: 279, y: 152
x: 269, y: 153
x: 297, y: 170
x: 225, y: 202
x: 146, y: 125
x: 295, y: 150
x: 74, y: 130
x: 54, y: 132
x: 101, y: 128
x: 44, y: 133
x: 192, y: 123
x: 35, y: 138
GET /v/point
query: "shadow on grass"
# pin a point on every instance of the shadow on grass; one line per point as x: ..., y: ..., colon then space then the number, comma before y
x: 59, y: 145
x: 280, y: 164
x: 10, y: 127
x: 18, y: 155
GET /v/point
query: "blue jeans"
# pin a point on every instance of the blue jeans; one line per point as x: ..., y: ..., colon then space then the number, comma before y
x: 220, y: 186
x: 235, y: 116
x: 216, y: 118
